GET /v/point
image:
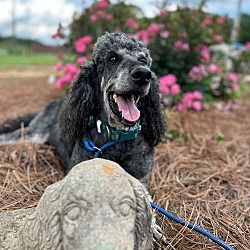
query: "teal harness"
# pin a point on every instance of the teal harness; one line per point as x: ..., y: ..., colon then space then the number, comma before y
x: 115, y: 136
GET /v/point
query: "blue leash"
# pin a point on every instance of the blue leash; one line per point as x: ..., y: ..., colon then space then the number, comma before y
x: 193, y: 227
x: 91, y: 147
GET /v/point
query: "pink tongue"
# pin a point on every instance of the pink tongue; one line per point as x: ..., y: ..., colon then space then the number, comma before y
x: 127, y: 107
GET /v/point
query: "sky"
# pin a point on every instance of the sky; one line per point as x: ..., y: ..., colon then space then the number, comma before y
x: 38, y: 19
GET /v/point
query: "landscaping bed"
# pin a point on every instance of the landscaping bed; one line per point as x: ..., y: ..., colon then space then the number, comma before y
x: 202, y: 171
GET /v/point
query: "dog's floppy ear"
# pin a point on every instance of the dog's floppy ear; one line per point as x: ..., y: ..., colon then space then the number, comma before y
x: 79, y: 103
x: 152, y: 116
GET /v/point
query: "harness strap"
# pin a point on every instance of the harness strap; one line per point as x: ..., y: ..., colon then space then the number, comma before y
x: 115, y: 134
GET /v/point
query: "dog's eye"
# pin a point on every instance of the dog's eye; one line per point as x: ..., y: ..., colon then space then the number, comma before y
x: 113, y: 59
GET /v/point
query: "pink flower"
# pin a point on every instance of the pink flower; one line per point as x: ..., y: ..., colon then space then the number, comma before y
x: 86, y: 39
x: 80, y: 47
x: 103, y: 4
x: 204, y: 53
x: 163, y: 13
x: 165, y: 34
x: 198, y: 72
x: 168, y: 80
x: 248, y: 45
x: 71, y: 68
x: 217, y: 38
x: 93, y: 18
x: 153, y: 29
x: 235, y: 86
x: 197, y: 95
x: 90, y: 9
x: 183, y: 34
x: 132, y: 23
x: 197, y: 105
x: 214, y: 85
x: 185, y: 47
x: 58, y: 67
x: 100, y: 13
x: 175, y: 89
x: 206, y: 21
x: 233, y: 77
x: 178, y: 44
x: 58, y: 33
x: 164, y: 89
x: 190, y: 100
x: 143, y: 36
x: 69, y: 77
x: 81, y: 60
x: 188, y: 96
x: 109, y: 17
x: 181, y: 107
x: 220, y: 20
x: 60, y: 82
x: 80, y: 44
x: 168, y: 84
x: 63, y: 80
x: 212, y: 68
x: 203, y: 70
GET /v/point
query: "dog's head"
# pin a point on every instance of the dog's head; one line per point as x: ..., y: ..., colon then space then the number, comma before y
x: 118, y: 88
x: 123, y: 65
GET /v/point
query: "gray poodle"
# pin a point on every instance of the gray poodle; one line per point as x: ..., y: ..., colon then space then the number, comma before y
x: 114, y: 98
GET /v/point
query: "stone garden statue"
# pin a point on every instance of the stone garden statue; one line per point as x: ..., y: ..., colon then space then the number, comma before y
x: 97, y: 206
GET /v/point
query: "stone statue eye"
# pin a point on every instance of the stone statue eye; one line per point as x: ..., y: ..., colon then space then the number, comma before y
x: 74, y: 210
x: 73, y: 213
x: 125, y: 207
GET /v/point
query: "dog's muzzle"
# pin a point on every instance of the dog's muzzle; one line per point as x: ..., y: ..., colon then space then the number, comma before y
x: 141, y: 75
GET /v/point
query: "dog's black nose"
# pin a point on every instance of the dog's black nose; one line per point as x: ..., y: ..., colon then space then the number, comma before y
x: 142, y: 75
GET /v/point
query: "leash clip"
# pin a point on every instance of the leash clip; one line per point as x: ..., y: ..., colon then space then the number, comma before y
x: 98, y: 149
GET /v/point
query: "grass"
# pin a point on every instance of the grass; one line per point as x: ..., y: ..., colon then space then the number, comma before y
x: 7, y: 61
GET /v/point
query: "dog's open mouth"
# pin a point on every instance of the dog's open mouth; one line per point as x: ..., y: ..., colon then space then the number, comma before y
x: 124, y: 108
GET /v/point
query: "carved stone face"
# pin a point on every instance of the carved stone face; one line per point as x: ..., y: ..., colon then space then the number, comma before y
x: 98, y: 210
x: 96, y: 206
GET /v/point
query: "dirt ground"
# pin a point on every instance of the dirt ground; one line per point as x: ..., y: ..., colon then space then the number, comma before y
x: 202, y: 176
x: 25, y: 90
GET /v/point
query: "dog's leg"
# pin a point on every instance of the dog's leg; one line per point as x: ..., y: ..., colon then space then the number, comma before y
x: 12, y: 125
x: 38, y: 129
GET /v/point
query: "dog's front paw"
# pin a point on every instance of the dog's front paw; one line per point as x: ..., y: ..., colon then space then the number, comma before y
x: 160, y: 240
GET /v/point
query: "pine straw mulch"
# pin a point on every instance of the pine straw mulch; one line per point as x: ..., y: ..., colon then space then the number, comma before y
x: 196, y: 177
x: 26, y: 169
x: 204, y: 181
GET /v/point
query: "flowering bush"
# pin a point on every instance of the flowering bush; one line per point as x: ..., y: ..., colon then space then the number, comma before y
x: 179, y: 44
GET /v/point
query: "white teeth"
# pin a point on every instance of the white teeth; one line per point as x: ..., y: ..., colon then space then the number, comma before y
x: 137, y: 100
x: 133, y: 98
x: 115, y: 97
